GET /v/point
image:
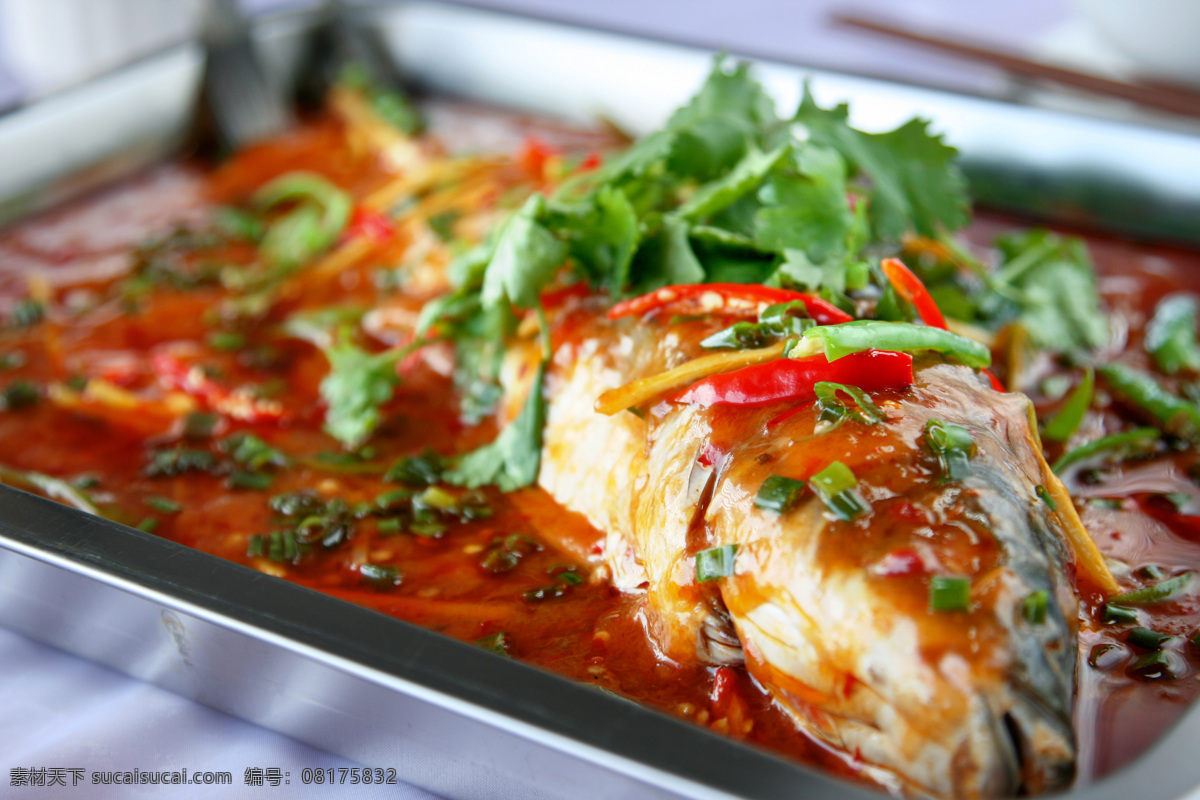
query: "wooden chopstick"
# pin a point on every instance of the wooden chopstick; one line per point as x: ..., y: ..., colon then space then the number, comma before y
x: 1163, y: 98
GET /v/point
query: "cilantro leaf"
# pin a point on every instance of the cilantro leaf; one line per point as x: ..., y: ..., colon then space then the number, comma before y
x: 666, y: 257
x: 603, y: 238
x: 805, y: 208
x: 358, y: 383
x: 511, y: 461
x: 1058, y: 301
x: 745, y: 176
x: 914, y: 183
x: 526, y: 256
x: 730, y: 94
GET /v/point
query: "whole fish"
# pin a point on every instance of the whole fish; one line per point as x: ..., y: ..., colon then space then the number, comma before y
x: 834, y: 616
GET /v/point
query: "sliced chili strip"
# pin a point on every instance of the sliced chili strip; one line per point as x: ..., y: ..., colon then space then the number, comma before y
x: 796, y: 378
x: 726, y: 297
x: 909, y: 286
x: 369, y: 224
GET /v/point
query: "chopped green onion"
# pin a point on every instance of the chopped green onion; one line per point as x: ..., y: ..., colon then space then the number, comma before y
x: 1104, y: 657
x: 834, y: 412
x: 255, y: 546
x: 1033, y: 607
x: 435, y: 497
x: 1137, y: 442
x: 498, y: 643
x: 28, y: 313
x: 178, y: 460
x: 854, y: 337
x: 1176, y: 415
x: 1161, y: 592
x: 949, y: 593
x: 199, y: 425
x: 163, y: 504
x: 715, y: 562
x: 746, y: 335
x: 252, y: 452
x: 421, y: 470
x: 395, y: 497
x: 381, y: 576
x: 838, y: 489
x: 291, y: 548
x: 19, y: 394
x: 1146, y: 638
x: 953, y: 446
x: 258, y: 481
x: 1155, y: 665
x: 428, y: 530
x: 302, y: 502
x: 778, y: 494
x: 1068, y: 418
x: 149, y: 525
x: 543, y: 593
x: 568, y: 575
x: 1042, y: 493
x: 1171, y: 335
x: 390, y: 526
x: 1119, y: 615
x: 226, y: 340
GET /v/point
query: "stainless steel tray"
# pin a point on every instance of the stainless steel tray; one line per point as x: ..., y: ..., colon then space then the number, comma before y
x: 381, y: 691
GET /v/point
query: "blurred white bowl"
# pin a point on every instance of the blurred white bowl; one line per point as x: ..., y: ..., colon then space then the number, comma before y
x: 1161, y: 36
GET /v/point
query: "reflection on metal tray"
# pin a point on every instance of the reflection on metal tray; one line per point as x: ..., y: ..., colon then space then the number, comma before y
x: 381, y: 691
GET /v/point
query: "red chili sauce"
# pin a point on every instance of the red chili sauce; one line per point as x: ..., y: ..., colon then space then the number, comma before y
x: 497, y: 579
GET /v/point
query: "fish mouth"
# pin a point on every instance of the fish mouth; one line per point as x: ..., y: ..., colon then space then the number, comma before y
x: 1042, y: 742
x: 1022, y: 748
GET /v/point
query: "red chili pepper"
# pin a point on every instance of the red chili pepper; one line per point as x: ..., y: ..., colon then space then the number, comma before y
x: 368, y: 224
x: 794, y: 379
x: 593, y: 161
x: 728, y: 298
x: 909, y: 286
x: 554, y: 298
x: 177, y: 374
x: 534, y: 154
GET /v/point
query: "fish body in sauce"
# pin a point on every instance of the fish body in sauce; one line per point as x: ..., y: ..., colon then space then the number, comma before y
x: 834, y: 617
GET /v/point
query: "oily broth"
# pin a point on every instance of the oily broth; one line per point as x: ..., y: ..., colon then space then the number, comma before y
x: 592, y: 634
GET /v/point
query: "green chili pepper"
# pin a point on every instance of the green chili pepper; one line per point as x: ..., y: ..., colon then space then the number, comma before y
x: 319, y: 217
x: 854, y: 337
x: 1176, y: 415
x: 1156, y: 593
x: 1139, y: 441
x: 1064, y: 423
